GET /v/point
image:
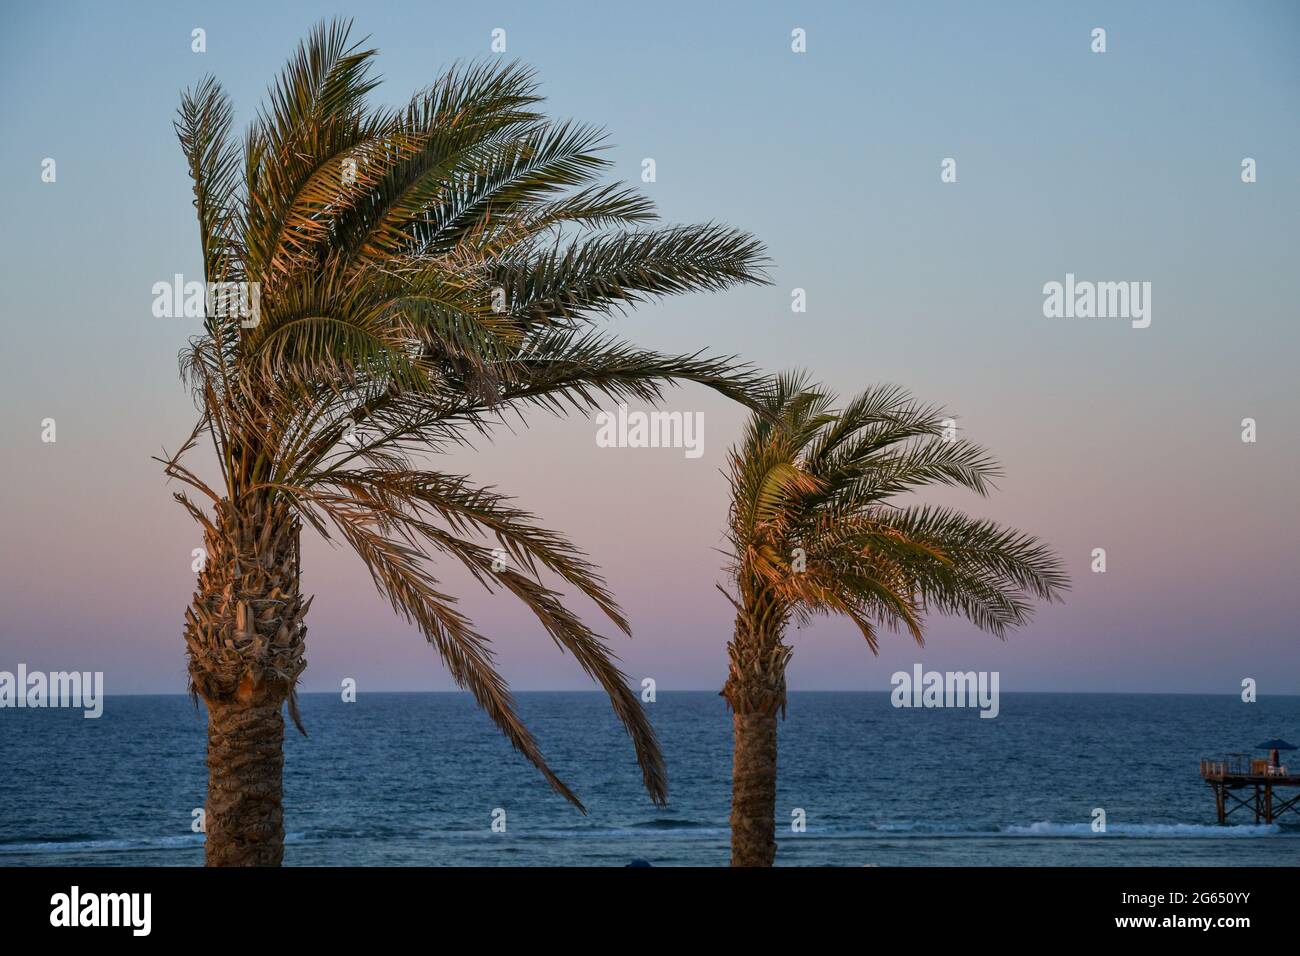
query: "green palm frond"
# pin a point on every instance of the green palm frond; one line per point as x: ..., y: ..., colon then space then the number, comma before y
x: 203, y: 126
x: 822, y: 481
x: 605, y: 274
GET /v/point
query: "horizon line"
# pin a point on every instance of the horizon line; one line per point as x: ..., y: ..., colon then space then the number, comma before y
x: 695, y: 690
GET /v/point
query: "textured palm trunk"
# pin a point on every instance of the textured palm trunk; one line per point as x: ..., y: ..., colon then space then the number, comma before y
x: 755, y: 692
x: 245, y: 812
x: 244, y: 633
x: 753, y: 790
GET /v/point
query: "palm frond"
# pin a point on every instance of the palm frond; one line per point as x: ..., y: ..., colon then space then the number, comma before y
x: 821, y: 481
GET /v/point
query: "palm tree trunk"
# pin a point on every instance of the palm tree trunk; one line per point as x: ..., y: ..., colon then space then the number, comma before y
x: 245, y: 815
x: 753, y: 790
x: 755, y: 692
x: 245, y: 636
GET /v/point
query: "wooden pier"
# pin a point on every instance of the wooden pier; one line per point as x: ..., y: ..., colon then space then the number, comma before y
x: 1240, y: 782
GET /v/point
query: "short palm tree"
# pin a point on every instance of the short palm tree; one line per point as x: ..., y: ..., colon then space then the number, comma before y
x: 419, y: 273
x: 815, y: 529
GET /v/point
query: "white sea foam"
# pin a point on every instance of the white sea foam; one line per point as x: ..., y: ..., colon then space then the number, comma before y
x: 178, y: 842
x: 1049, y: 829
x: 103, y: 846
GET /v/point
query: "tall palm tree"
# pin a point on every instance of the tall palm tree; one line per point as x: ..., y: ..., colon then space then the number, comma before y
x: 815, y: 529
x: 419, y: 273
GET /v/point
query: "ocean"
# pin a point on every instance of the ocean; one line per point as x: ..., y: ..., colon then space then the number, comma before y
x: 418, y: 779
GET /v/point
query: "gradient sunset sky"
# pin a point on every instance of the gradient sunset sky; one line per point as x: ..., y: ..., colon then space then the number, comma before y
x: 1117, y: 166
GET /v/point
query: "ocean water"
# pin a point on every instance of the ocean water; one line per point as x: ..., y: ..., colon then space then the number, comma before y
x: 415, y: 779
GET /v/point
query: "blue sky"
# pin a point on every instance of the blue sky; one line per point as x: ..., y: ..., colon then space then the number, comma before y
x: 1116, y: 166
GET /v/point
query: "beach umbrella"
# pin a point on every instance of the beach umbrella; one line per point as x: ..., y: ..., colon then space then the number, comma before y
x: 1277, y: 743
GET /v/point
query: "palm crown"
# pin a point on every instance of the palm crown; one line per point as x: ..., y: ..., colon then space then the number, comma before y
x: 422, y: 271
x: 814, y: 529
